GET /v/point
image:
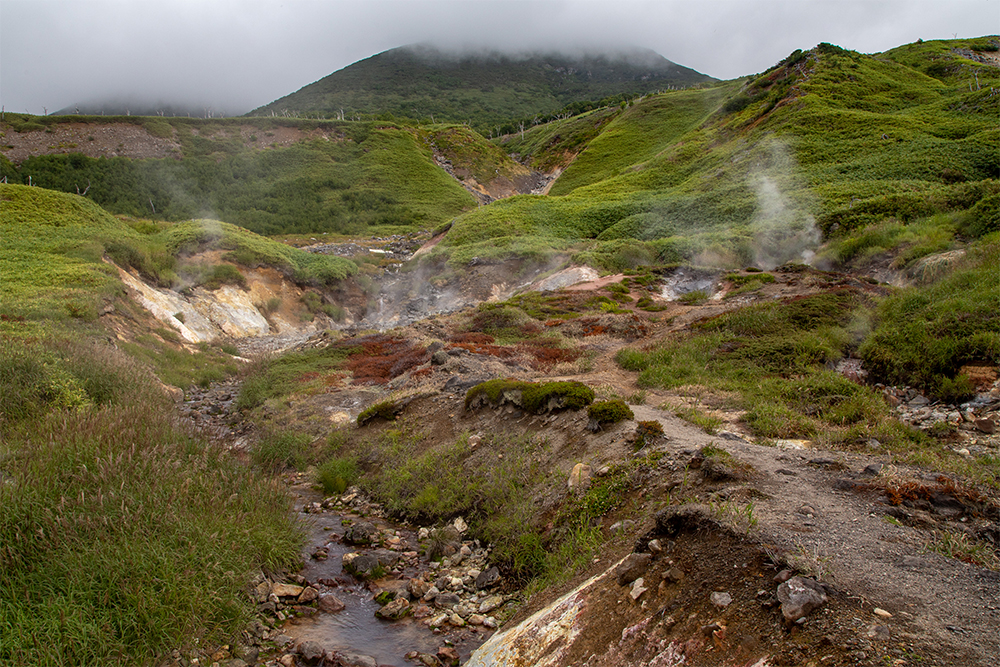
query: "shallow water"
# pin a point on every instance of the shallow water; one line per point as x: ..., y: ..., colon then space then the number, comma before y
x: 356, y: 629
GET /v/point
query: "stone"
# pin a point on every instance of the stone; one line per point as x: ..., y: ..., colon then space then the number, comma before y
x: 287, y: 660
x: 330, y: 604
x: 490, y: 603
x: 873, y: 470
x: 655, y: 547
x: 882, y: 612
x: 456, y: 620
x: 460, y: 525
x: 622, y: 526
x: 440, y: 358
x: 448, y: 656
x: 721, y: 599
x: 476, y: 619
x: 311, y: 652
x: 783, y: 576
x: 308, y: 594
x: 424, y: 659
x: 474, y: 441
x: 361, y: 533
x: 488, y: 579
x: 638, y: 588
x: 986, y: 425
x: 673, y: 575
x: 423, y: 533
x: 437, y: 621
x: 446, y: 600
x: 395, y: 610
x: 633, y: 567
x: 286, y: 590
x: 800, y: 596
x: 360, y: 565
x: 490, y: 622
x: 418, y: 588
x: 579, y: 478
x: 355, y: 660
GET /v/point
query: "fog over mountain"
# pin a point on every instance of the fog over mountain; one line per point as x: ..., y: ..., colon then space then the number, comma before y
x: 230, y: 56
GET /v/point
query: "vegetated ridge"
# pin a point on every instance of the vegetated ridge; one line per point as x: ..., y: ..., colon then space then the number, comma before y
x: 489, y: 90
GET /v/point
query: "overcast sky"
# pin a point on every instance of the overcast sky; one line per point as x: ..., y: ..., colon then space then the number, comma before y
x: 240, y: 54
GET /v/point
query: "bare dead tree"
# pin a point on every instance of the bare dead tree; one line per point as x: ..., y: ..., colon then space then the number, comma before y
x: 151, y: 205
x: 84, y: 193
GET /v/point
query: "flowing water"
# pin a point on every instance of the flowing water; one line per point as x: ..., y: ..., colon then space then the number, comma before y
x: 356, y: 629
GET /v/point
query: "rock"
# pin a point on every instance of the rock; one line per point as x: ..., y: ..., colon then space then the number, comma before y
x: 437, y: 621
x: 355, y: 660
x: 474, y: 441
x: 361, y: 566
x: 448, y: 656
x: 361, y: 533
x: 655, y: 547
x: 673, y: 575
x: 873, y: 470
x: 638, y: 588
x: 986, y: 425
x: 423, y: 533
x: 783, y: 576
x: 446, y: 600
x: 308, y: 595
x: 800, y: 596
x: 488, y: 579
x: 579, y: 478
x: 476, y: 619
x: 882, y: 612
x: 633, y: 567
x: 456, y: 620
x: 622, y: 526
x: 490, y: 603
x: 286, y: 590
x: 311, y: 652
x: 418, y: 588
x: 330, y: 604
x: 440, y: 358
x: 460, y: 525
x: 721, y: 599
x: 287, y: 660
x: 395, y: 610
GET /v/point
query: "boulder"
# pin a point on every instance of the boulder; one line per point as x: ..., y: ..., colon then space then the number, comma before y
x: 489, y: 578
x: 330, y: 604
x: 395, y: 610
x: 311, y: 652
x: 633, y: 567
x: 800, y: 596
x: 361, y: 533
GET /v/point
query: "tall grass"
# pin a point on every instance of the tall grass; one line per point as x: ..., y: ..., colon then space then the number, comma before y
x: 121, y: 536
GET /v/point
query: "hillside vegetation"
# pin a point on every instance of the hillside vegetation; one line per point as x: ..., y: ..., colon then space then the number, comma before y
x: 269, y: 176
x: 487, y: 90
x: 113, y: 548
x: 757, y: 171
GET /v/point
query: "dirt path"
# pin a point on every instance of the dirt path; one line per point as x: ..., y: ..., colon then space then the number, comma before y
x: 807, y: 504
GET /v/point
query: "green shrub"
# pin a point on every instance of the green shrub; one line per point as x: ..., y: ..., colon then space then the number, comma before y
x: 277, y: 451
x: 387, y: 410
x: 224, y: 274
x: 610, y: 412
x: 337, y: 474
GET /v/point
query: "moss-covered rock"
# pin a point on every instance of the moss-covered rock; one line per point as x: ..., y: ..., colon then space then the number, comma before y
x: 537, y: 398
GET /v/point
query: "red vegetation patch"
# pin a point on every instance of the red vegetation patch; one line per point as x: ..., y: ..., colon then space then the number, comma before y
x: 472, y: 337
x: 544, y: 357
x: 945, y: 492
x: 628, y: 326
x: 498, y: 351
x: 381, y: 358
x: 308, y: 377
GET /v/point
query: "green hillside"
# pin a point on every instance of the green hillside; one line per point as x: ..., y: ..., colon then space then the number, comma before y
x: 324, y: 177
x: 756, y: 170
x: 486, y: 90
x: 51, y: 257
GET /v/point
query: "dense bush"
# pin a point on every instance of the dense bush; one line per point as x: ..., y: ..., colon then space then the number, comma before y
x: 610, y: 412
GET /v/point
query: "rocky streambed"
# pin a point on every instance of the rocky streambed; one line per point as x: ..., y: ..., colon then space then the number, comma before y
x: 372, y: 593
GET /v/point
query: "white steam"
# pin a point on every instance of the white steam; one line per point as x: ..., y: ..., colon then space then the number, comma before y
x: 783, y: 229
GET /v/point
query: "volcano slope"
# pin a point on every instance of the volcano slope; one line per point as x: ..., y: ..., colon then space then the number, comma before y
x: 769, y: 467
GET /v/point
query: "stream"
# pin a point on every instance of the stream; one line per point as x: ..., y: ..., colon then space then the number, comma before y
x: 355, y: 629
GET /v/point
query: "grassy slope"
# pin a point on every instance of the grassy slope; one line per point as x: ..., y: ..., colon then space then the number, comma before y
x: 122, y: 537
x: 360, y: 176
x: 828, y: 135
x: 51, y: 259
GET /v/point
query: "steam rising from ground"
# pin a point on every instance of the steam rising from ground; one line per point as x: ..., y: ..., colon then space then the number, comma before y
x: 783, y: 229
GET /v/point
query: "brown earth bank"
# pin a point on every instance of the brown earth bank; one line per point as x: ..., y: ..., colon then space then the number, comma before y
x: 754, y: 512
